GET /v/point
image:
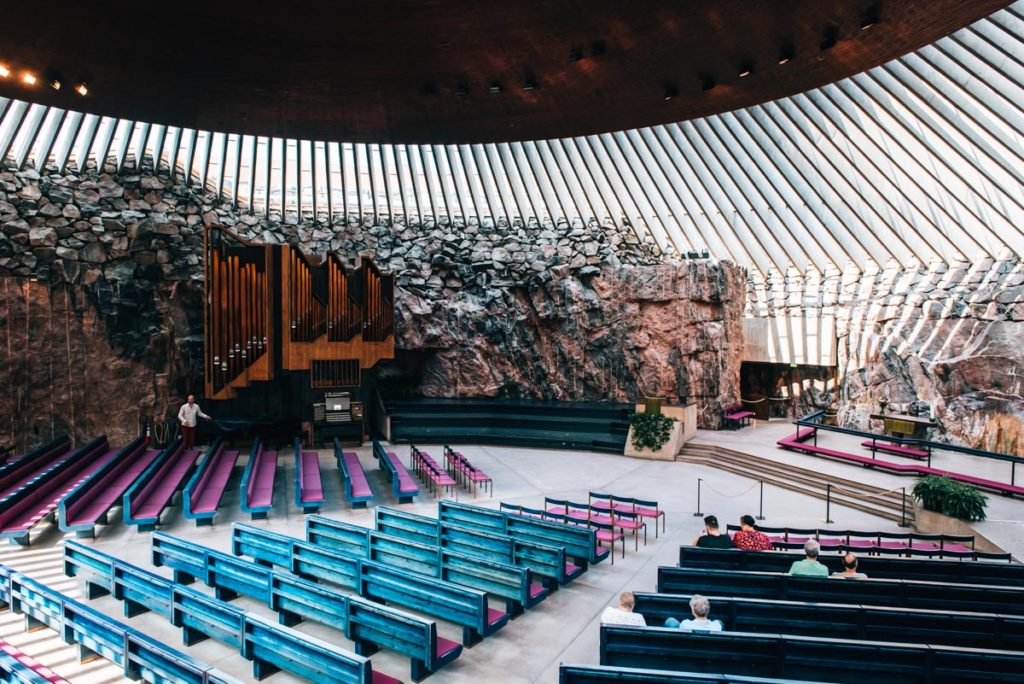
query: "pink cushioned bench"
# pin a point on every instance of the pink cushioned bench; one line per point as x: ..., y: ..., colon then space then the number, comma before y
x: 404, y: 486
x: 88, y: 505
x: 309, y: 488
x: 736, y: 416
x: 901, y: 468
x: 151, y: 493
x: 37, y: 499
x: 205, y: 490
x: 897, y: 449
x: 17, y: 659
x: 357, y: 488
x: 22, y: 469
x: 258, y: 481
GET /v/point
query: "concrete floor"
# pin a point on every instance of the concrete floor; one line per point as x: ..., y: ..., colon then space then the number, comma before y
x: 564, y: 628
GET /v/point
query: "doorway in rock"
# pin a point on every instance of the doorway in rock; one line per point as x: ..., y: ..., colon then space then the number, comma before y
x: 787, y: 390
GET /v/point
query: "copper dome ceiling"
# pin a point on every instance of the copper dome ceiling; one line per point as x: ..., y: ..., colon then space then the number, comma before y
x: 460, y: 71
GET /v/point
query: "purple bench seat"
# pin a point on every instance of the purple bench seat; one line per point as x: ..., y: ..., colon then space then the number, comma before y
x: 736, y: 415
x: 897, y: 449
x: 151, y: 493
x: 205, y: 490
x: 404, y: 486
x: 901, y: 468
x: 357, y: 488
x: 309, y: 486
x: 21, y: 470
x: 38, y: 499
x: 88, y: 505
x: 258, y: 482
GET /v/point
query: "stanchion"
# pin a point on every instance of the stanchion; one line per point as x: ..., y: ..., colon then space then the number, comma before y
x: 903, y: 522
x: 698, y: 513
x: 760, y: 511
x: 828, y: 504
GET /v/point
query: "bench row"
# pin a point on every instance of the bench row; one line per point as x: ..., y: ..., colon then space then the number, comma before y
x: 786, y: 655
x: 402, y: 485
x: 980, y: 598
x: 1010, y: 574
x: 270, y: 647
x: 464, y: 606
x: 97, y: 635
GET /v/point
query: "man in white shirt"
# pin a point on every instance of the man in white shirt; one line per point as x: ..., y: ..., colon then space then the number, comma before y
x: 623, y: 615
x: 187, y: 417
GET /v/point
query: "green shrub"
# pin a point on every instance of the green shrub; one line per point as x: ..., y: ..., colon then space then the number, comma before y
x: 651, y: 430
x: 950, y: 497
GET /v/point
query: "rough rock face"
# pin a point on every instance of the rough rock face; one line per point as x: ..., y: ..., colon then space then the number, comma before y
x: 950, y: 336
x: 563, y: 310
x: 672, y: 331
x: 89, y: 360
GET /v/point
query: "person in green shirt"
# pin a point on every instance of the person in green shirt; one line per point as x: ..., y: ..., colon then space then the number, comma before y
x: 809, y: 567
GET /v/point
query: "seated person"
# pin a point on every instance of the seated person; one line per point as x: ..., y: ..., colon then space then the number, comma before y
x: 850, y: 569
x: 623, y: 615
x: 710, y: 537
x: 748, y: 538
x: 809, y: 567
x: 701, y: 608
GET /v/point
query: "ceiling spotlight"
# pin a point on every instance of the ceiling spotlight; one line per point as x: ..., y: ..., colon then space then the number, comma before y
x: 670, y: 92
x: 785, y: 54
x: 495, y: 88
x: 462, y: 90
x: 5, y: 72
x: 829, y: 38
x: 707, y: 82
x: 746, y: 69
x: 28, y: 78
x: 55, y: 84
x: 529, y: 84
x: 575, y: 55
x: 82, y: 89
x: 871, y: 17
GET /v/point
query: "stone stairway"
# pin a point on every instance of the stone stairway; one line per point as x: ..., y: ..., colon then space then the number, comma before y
x: 886, y: 504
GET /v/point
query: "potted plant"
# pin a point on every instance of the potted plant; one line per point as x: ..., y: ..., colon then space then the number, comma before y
x: 651, y: 430
x: 950, y: 497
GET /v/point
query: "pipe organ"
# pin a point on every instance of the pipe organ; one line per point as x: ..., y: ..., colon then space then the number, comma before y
x: 273, y: 313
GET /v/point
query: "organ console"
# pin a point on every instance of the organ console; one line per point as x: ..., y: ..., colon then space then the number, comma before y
x: 274, y: 314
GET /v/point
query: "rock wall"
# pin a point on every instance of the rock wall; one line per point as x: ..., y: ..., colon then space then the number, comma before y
x: 948, y: 335
x: 561, y: 310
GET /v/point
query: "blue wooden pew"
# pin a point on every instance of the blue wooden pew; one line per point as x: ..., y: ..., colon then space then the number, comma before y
x: 257, y: 488
x: 353, y: 477
x: 270, y: 647
x: 18, y: 668
x: 295, y: 555
x: 845, y: 621
x: 98, y: 635
x: 409, y: 526
x: 309, y: 487
x: 786, y: 655
x: 205, y: 489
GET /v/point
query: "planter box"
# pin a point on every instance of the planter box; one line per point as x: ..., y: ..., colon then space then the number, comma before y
x: 930, y: 522
x: 667, y: 452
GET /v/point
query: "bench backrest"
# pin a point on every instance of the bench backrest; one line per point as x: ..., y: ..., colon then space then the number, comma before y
x: 302, y: 655
x: 391, y: 629
x: 471, y: 516
x: 338, y: 535
x: 424, y: 559
x: 579, y: 542
x: 880, y: 592
x: 300, y: 557
x: 845, y: 621
x: 461, y: 605
x: 785, y: 655
x: 968, y: 572
x: 500, y: 579
x: 409, y: 526
x: 251, y: 468
x: 185, y: 558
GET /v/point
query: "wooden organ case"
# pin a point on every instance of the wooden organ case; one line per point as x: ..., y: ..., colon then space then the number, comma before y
x: 285, y: 331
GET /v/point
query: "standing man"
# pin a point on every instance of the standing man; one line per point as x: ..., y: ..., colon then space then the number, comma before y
x: 187, y: 417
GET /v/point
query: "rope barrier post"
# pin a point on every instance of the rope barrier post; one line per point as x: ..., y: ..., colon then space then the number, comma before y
x: 698, y: 513
x: 760, y: 512
x: 903, y: 512
x: 828, y: 504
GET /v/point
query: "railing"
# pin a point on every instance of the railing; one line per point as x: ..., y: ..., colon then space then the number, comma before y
x: 813, y: 420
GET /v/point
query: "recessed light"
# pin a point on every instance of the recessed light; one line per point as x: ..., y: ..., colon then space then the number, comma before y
x: 871, y: 17
x: 785, y: 54
x: 829, y: 38
x: 707, y: 83
x: 5, y: 72
x: 746, y: 69
x: 82, y: 89
x: 495, y: 88
x: 529, y: 84
x: 28, y: 78
x: 55, y: 84
x: 670, y: 92
x: 575, y: 55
